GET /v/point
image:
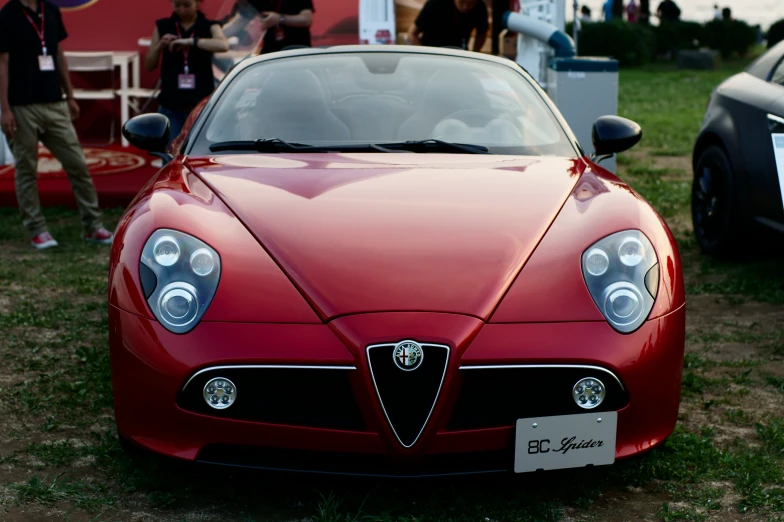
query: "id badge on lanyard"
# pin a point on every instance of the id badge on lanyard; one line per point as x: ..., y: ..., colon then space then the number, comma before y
x: 186, y: 80
x: 45, y: 61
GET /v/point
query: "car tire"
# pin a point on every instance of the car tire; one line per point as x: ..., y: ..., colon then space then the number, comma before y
x: 714, y: 205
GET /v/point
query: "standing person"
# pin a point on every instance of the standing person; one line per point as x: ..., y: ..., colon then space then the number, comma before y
x: 617, y: 9
x: 668, y: 11
x: 632, y: 11
x: 585, y: 13
x: 187, y: 40
x: 286, y: 22
x: 33, y: 76
x: 716, y: 12
x: 645, y: 12
x: 607, y: 7
x: 443, y: 23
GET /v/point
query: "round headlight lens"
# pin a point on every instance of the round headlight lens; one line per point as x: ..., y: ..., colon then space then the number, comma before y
x: 622, y: 303
x: 166, y: 251
x: 178, y: 304
x: 631, y: 252
x: 596, y: 262
x: 202, y: 262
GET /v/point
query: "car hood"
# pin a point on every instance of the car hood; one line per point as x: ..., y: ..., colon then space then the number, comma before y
x: 360, y: 233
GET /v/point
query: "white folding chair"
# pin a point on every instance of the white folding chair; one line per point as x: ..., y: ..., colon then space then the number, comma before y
x: 95, y: 63
x: 137, y: 94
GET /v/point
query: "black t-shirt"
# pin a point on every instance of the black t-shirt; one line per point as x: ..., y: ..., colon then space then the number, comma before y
x: 442, y: 24
x: 291, y: 35
x: 173, y: 65
x: 27, y: 83
x: 669, y: 11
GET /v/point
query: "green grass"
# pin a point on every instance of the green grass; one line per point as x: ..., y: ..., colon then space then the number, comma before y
x: 668, y: 196
x: 669, y: 104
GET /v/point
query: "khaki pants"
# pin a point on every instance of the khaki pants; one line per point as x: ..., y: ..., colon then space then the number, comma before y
x: 51, y: 124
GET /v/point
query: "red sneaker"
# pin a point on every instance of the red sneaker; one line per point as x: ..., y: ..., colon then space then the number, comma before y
x: 100, y: 236
x: 43, y: 241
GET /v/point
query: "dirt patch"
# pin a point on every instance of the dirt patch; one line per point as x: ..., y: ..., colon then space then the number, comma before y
x: 644, y: 156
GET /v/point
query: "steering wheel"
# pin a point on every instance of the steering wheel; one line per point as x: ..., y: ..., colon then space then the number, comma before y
x: 472, y: 117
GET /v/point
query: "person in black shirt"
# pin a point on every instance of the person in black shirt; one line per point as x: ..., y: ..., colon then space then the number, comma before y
x: 187, y: 40
x: 444, y: 23
x: 286, y: 22
x: 33, y: 76
x: 668, y: 11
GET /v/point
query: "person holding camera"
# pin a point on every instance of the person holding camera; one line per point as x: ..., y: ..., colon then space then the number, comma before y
x: 285, y: 22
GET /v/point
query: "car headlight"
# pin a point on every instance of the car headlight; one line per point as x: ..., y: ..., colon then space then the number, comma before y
x: 622, y: 274
x: 179, y: 276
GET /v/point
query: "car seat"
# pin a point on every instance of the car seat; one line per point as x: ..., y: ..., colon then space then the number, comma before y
x: 447, y: 92
x: 292, y: 106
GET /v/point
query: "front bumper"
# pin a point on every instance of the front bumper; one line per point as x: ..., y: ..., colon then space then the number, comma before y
x: 318, y: 421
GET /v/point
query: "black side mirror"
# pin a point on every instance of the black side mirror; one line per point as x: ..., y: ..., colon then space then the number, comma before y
x: 613, y: 134
x: 149, y: 132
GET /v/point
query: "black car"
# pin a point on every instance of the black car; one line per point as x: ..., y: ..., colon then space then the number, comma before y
x: 738, y: 157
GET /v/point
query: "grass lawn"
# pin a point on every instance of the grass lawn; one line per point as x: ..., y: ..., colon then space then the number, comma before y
x: 60, y: 458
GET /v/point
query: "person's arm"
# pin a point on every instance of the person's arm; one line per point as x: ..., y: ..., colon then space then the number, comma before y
x: 157, y: 44
x: 479, y: 40
x: 273, y: 19
x: 481, y: 28
x: 424, y: 22
x: 414, y: 35
x: 65, y: 81
x: 216, y: 44
x: 7, y: 121
x: 235, y: 25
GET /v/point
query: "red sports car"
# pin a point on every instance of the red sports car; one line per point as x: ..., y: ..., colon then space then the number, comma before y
x: 392, y: 261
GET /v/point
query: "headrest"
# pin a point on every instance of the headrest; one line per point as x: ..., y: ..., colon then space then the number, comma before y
x: 292, y: 90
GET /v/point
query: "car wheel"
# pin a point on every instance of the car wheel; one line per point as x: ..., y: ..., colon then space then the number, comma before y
x: 713, y: 204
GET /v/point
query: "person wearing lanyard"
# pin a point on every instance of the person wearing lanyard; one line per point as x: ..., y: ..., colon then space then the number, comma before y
x: 443, y: 23
x: 286, y: 22
x: 187, y: 40
x: 33, y: 80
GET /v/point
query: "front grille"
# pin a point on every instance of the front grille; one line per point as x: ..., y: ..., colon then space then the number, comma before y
x: 408, y: 397
x: 309, y: 397
x: 498, y: 396
x: 355, y: 463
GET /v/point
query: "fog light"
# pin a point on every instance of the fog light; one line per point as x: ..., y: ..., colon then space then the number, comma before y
x: 588, y: 393
x: 219, y: 393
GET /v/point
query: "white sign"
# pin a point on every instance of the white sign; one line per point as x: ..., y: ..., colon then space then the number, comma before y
x: 778, y: 150
x: 377, y: 22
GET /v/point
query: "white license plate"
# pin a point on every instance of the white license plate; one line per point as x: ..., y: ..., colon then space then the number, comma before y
x: 565, y: 441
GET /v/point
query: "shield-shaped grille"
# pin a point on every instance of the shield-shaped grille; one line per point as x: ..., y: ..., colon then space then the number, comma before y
x: 408, y: 397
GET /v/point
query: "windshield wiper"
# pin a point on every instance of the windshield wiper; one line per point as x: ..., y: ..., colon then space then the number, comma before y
x: 278, y: 145
x: 265, y: 145
x: 432, y: 145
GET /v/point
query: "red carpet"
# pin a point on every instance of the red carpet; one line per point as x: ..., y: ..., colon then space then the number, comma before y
x: 118, y: 173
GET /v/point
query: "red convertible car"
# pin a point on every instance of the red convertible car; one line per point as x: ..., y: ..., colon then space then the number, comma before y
x: 391, y: 261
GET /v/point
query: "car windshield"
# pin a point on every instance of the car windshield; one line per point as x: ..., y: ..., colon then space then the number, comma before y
x: 364, y: 98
